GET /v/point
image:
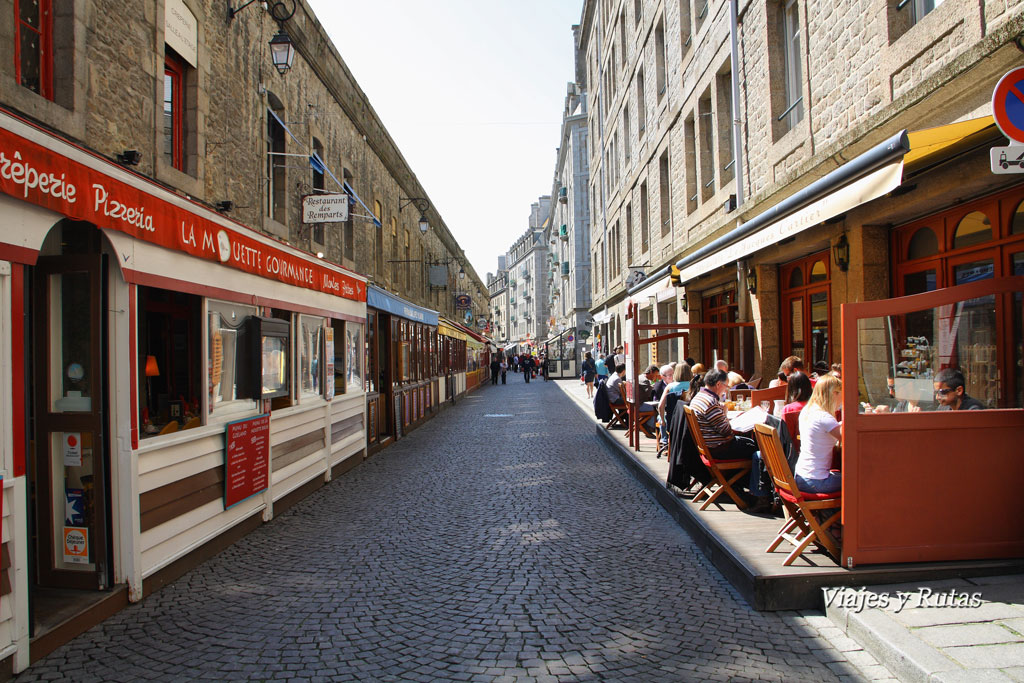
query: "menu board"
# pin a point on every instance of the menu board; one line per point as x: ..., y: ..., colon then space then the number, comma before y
x: 246, y: 458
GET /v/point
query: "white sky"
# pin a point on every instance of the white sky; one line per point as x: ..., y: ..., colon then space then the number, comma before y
x: 472, y: 92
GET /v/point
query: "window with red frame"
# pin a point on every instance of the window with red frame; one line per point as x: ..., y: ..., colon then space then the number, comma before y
x: 174, y: 111
x: 33, y: 41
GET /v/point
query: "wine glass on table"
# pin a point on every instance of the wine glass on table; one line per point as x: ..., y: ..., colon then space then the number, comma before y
x: 766, y: 406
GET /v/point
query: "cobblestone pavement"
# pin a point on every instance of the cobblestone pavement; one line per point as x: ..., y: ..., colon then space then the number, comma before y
x: 498, y: 542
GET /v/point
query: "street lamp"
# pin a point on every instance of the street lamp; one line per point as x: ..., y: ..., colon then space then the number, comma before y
x: 282, y: 52
x: 421, y: 203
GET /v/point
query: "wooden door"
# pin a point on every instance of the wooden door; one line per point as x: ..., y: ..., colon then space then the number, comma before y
x: 70, y: 488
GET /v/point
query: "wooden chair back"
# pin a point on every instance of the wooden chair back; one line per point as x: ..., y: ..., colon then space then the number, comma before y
x: 803, y: 527
x: 698, y: 438
x: 754, y: 382
x: 775, y: 459
x: 720, y: 483
x: 771, y: 395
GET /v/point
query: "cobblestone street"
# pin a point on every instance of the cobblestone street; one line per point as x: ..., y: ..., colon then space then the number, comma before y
x: 499, y: 541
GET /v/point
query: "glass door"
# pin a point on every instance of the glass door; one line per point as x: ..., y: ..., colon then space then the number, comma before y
x: 70, y: 457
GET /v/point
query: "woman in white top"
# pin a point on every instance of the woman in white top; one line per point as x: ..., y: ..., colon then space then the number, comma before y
x: 819, y: 433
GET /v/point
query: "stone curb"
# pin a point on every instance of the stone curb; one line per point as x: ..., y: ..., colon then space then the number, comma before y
x: 907, y: 657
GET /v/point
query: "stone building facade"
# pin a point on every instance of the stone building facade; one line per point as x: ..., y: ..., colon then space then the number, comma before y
x: 109, y: 86
x: 569, y: 231
x: 528, y: 269
x: 818, y: 89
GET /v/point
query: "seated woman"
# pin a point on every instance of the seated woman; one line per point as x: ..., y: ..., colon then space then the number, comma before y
x: 679, y: 386
x: 798, y: 391
x: 819, y: 433
x: 736, y: 381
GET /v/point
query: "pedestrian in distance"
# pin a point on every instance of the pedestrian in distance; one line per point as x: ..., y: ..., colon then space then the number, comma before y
x: 589, y: 373
x: 527, y: 365
x: 504, y: 369
x: 495, y: 369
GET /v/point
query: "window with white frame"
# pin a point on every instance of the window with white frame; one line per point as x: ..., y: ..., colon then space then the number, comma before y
x: 789, y: 33
x: 310, y: 348
x: 228, y: 353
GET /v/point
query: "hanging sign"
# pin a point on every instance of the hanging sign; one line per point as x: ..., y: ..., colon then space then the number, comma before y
x: 325, y: 208
x: 246, y: 459
x: 462, y: 302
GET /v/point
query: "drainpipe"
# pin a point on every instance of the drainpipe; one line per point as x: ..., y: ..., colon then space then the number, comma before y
x: 737, y: 131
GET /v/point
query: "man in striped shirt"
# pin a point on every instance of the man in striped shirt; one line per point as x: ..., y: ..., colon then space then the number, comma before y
x: 714, y: 422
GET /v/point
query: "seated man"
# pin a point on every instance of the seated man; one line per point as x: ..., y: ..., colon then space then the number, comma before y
x: 950, y: 394
x: 707, y: 406
x: 646, y: 403
x: 663, y: 381
x: 614, y: 384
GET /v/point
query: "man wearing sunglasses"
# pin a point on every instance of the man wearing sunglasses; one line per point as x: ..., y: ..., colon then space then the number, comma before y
x: 950, y: 394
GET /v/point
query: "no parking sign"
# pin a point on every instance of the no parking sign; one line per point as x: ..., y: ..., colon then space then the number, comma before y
x: 1008, y: 105
x: 1008, y: 112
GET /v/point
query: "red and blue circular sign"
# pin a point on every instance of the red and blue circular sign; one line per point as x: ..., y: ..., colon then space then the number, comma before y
x: 1008, y: 104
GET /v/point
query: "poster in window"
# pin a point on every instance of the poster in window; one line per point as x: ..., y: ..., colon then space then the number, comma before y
x: 329, y: 360
x: 797, y: 307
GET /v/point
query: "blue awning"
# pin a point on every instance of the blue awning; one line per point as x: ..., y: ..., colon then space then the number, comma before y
x: 381, y: 300
x: 376, y: 219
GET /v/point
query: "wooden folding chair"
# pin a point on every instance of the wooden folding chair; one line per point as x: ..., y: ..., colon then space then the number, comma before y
x: 620, y: 415
x: 802, y: 528
x: 639, y: 422
x: 718, y: 468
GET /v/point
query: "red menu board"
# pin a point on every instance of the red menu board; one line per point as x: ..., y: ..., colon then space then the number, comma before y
x: 246, y: 459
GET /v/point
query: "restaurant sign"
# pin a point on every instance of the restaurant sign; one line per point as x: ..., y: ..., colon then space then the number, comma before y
x: 42, y: 176
x: 325, y: 208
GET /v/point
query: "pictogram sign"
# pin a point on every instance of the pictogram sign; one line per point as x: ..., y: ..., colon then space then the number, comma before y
x: 1008, y: 104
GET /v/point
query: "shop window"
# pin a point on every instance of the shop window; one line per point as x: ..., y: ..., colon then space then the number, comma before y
x: 819, y: 273
x: 169, y: 361
x: 806, y: 309
x: 370, y: 352
x: 961, y: 336
x: 273, y: 352
x: 310, y: 348
x: 174, y: 110
x: 1017, y: 225
x: 33, y: 42
x: 923, y: 243
x: 974, y: 228
x: 229, y: 349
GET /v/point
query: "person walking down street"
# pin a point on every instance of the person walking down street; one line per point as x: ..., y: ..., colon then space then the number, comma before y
x: 589, y: 373
x: 602, y: 369
x: 527, y: 363
x: 495, y: 369
x: 504, y: 369
x: 515, y: 363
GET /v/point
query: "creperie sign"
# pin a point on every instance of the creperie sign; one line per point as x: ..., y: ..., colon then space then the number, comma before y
x: 36, y: 174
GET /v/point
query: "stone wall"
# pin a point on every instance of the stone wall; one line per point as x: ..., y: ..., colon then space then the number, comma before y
x: 118, y: 53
